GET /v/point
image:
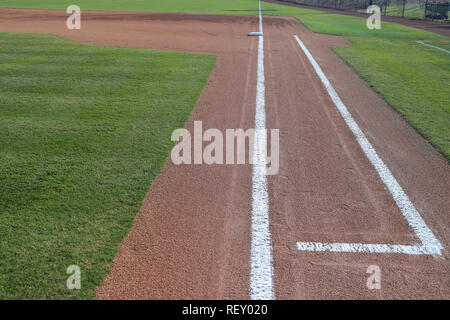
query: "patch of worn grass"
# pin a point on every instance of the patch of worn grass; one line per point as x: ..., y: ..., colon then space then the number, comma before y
x: 188, y: 6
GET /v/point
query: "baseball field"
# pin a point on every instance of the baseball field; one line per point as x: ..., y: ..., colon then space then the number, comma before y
x: 86, y: 176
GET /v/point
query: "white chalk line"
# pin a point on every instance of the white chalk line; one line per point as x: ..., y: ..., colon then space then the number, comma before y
x: 365, y: 248
x: 429, y: 243
x: 429, y: 45
x: 261, y: 273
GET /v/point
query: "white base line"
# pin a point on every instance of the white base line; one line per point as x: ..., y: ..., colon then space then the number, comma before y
x: 430, y: 245
x: 261, y: 262
x: 429, y: 45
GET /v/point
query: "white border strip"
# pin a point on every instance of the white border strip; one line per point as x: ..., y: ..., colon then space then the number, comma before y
x: 261, y: 273
x: 429, y: 45
x: 430, y: 245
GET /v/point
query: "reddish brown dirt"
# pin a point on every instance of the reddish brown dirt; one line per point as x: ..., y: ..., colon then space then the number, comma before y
x: 327, y: 191
x: 432, y: 26
x: 191, y: 238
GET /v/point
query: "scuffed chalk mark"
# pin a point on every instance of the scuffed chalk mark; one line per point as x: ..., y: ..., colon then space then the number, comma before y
x: 429, y: 45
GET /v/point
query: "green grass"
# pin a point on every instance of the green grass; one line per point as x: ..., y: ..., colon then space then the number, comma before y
x: 84, y: 131
x: 190, y: 6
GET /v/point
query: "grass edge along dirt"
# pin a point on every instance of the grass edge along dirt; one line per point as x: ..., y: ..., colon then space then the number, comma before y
x: 84, y: 131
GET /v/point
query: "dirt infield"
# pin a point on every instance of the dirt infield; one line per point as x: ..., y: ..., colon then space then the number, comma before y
x: 327, y: 191
x: 431, y: 26
x: 191, y: 238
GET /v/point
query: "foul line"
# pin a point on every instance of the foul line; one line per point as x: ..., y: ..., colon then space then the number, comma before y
x: 429, y: 243
x: 429, y: 45
x: 261, y: 273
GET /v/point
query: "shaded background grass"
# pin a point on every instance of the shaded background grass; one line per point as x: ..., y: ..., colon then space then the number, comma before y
x: 84, y: 131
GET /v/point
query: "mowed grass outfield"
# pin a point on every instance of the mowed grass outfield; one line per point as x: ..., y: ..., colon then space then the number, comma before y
x: 84, y: 130
x: 77, y: 153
